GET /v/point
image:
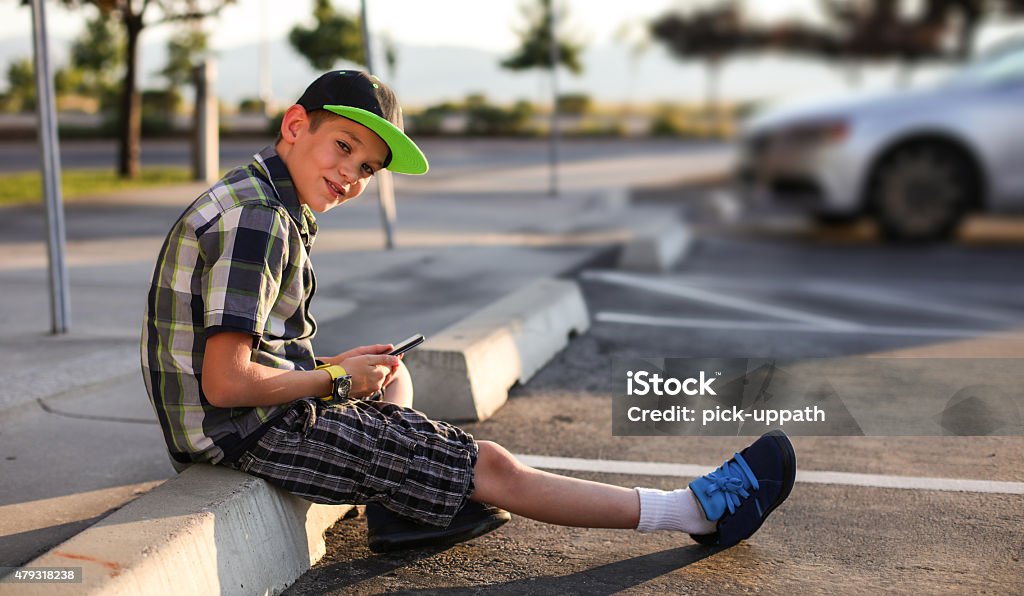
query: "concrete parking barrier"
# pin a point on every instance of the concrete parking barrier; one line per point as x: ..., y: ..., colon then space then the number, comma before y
x: 657, y: 249
x: 464, y: 372
x: 210, y: 530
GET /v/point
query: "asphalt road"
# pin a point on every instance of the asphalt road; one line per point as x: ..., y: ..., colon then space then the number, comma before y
x: 794, y: 281
x: 444, y: 154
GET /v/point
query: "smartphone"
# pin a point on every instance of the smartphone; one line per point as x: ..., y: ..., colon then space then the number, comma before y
x: 406, y: 345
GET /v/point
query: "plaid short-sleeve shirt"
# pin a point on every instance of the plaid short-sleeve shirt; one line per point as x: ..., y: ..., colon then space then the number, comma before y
x: 237, y: 259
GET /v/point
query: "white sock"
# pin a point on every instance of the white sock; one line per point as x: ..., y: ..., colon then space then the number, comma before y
x: 672, y: 510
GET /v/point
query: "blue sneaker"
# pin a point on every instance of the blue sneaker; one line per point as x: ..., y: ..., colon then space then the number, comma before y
x: 741, y: 494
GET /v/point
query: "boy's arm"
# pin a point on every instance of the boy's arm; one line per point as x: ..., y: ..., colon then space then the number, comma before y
x: 230, y: 378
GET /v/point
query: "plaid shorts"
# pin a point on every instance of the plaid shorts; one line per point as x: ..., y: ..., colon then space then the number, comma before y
x: 367, y: 452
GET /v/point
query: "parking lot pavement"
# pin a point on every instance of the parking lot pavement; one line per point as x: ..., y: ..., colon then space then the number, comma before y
x: 823, y: 540
x: 866, y: 539
x: 749, y: 292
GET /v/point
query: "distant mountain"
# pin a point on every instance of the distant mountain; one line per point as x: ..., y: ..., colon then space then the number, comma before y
x: 432, y: 74
x: 427, y: 75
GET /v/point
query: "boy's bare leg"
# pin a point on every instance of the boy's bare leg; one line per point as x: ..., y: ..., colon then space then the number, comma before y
x: 503, y: 481
x: 399, y: 390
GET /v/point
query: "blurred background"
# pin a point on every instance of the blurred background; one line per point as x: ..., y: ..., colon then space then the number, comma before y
x: 719, y: 70
x: 817, y: 179
x: 644, y: 54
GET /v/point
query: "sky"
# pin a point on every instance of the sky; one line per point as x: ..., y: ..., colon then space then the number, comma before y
x: 486, y: 24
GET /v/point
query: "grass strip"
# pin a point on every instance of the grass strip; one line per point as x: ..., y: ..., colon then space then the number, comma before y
x: 27, y: 187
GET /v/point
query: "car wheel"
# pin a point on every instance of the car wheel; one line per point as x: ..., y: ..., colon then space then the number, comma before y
x: 921, y: 191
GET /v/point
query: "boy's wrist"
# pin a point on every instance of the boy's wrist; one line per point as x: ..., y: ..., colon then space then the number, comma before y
x: 340, y: 384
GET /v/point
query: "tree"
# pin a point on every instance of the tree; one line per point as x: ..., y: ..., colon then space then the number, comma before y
x: 535, y: 40
x: 185, y: 51
x: 711, y: 34
x: 94, y: 70
x: 937, y: 29
x: 857, y: 30
x: 538, y: 49
x: 337, y: 35
x: 131, y: 16
x: 21, y: 86
x: 97, y: 62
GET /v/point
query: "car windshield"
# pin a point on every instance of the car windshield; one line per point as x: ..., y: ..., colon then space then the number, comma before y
x: 999, y: 66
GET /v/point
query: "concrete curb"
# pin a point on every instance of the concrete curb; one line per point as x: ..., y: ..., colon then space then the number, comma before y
x: 215, y: 530
x: 658, y: 249
x: 465, y: 372
x: 209, y: 530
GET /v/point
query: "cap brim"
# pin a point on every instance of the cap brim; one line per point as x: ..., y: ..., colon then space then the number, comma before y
x: 406, y: 157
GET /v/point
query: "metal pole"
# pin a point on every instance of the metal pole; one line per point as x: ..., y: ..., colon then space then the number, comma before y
x: 207, y: 134
x: 385, y: 186
x: 555, y: 131
x: 46, y: 112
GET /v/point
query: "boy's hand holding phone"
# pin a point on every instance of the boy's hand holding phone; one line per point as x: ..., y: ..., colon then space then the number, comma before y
x: 371, y: 368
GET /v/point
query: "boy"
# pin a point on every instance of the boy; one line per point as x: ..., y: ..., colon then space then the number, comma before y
x: 229, y: 366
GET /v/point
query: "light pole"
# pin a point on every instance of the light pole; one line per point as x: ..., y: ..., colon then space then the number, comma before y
x: 60, y: 300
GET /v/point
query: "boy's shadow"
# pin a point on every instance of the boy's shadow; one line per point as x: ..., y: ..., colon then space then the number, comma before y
x: 605, y: 579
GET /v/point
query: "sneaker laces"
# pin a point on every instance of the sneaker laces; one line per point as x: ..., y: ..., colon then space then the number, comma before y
x: 731, y: 480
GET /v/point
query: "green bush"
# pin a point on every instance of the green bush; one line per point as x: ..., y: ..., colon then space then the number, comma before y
x: 430, y: 121
x: 573, y: 104
x: 158, y: 109
x: 666, y: 123
x: 250, y: 105
x: 274, y: 126
x: 485, y: 119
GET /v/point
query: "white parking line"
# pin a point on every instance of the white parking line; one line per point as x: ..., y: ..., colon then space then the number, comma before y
x: 638, y: 468
x: 716, y: 299
x: 690, y: 323
x: 917, y: 300
x: 915, y: 303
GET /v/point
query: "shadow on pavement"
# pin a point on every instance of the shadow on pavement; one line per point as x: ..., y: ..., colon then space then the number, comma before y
x: 605, y: 579
x: 18, y: 549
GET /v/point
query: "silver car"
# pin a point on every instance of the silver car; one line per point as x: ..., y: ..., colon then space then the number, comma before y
x: 916, y: 161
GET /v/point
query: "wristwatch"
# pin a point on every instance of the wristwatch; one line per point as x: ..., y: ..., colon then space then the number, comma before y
x: 341, y: 382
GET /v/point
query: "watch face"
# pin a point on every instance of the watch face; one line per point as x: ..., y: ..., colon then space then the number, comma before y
x: 342, y: 386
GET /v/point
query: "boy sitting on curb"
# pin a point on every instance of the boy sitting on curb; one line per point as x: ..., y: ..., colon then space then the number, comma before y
x: 229, y: 366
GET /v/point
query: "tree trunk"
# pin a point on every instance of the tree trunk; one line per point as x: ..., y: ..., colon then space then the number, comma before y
x: 130, y: 126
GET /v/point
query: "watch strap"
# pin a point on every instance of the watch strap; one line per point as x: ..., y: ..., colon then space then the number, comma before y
x: 336, y: 371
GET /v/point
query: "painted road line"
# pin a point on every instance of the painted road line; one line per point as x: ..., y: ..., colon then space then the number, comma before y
x: 689, y: 323
x: 715, y: 298
x: 638, y: 468
x: 914, y: 303
x: 912, y: 300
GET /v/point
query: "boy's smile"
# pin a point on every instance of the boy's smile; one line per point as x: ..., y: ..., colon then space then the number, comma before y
x: 331, y: 164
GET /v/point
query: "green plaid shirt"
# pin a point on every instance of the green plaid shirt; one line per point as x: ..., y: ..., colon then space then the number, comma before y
x: 236, y: 260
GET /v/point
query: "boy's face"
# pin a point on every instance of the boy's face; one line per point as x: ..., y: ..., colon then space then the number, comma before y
x: 332, y: 164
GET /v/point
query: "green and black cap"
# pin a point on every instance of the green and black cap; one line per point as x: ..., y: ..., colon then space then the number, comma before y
x: 366, y: 100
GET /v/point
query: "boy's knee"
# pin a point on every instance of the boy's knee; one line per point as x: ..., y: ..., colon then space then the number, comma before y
x: 399, y: 390
x: 496, y: 461
x: 402, y: 374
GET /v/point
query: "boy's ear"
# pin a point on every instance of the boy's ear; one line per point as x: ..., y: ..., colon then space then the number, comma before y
x: 294, y: 122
